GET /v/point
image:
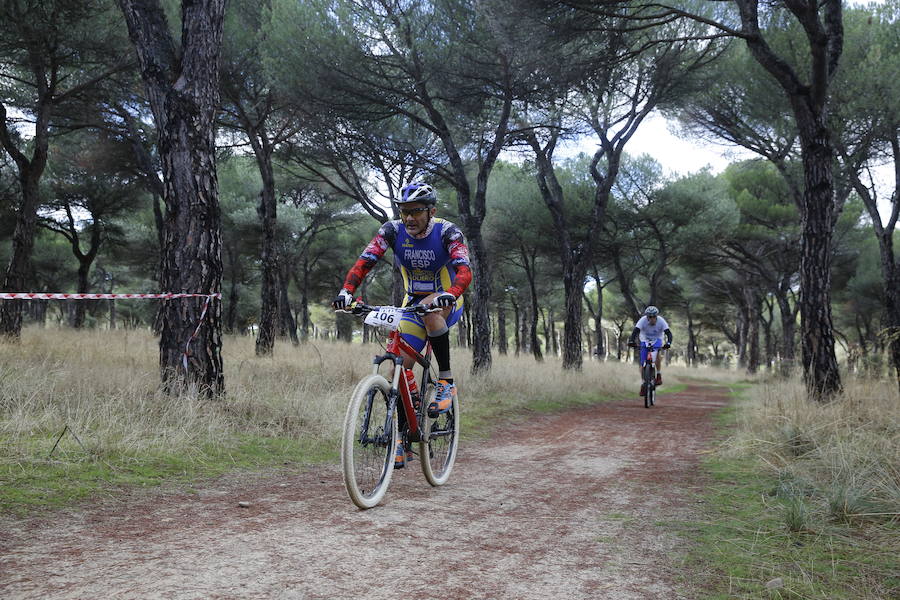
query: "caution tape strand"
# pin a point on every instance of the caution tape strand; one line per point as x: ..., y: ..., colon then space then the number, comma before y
x: 57, y: 296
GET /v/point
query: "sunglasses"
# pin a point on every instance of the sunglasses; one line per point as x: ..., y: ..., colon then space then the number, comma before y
x: 412, y: 212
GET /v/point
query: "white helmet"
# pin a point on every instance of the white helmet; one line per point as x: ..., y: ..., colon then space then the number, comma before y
x: 651, y: 311
x: 418, y: 191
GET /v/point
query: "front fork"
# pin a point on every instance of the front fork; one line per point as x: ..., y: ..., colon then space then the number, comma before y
x: 650, y: 366
x: 400, y: 391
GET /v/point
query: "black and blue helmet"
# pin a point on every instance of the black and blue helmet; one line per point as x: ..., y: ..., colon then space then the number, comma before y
x: 418, y: 191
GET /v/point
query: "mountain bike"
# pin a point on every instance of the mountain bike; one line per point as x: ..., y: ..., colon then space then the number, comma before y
x: 648, y: 373
x: 383, y: 412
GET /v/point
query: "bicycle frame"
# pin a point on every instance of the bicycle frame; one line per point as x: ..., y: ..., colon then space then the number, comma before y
x: 395, y: 350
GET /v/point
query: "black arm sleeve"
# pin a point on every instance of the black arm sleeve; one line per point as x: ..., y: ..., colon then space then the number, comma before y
x: 668, y: 333
x: 634, y: 336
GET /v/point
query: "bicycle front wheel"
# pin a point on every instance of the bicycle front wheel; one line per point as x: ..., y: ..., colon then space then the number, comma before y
x: 649, y: 385
x: 440, y: 440
x: 369, y: 442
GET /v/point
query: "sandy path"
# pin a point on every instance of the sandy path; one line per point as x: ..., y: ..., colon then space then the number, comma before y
x: 574, y: 508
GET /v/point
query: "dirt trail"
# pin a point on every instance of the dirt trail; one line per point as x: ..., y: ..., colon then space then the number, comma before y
x: 575, y: 508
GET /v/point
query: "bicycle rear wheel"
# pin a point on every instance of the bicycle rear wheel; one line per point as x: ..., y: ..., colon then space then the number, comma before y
x: 368, y: 443
x: 440, y: 440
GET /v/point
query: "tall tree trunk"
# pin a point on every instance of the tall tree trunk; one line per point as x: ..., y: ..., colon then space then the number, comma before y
x: 523, y: 329
x: 286, y: 316
x: 517, y: 317
x: 533, y: 340
x: 269, y: 292
x: 892, y: 311
x: 743, y: 327
x: 769, y: 345
x: 463, y: 338
x: 788, y: 316
x: 83, y: 287
x: 481, y: 295
x: 626, y: 287
x: 501, y: 329
x: 573, y: 255
x: 691, y: 351
x: 553, y: 335
x: 573, y: 286
x: 820, y: 368
x: 750, y: 297
x: 343, y: 324
x: 472, y: 212
x: 305, y: 321
x: 809, y: 104
x: 29, y: 175
x: 233, y: 295
x: 268, y: 215
x: 85, y: 261
x: 182, y: 85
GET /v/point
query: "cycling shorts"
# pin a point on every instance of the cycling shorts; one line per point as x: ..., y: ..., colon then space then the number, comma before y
x: 412, y: 326
x: 656, y: 346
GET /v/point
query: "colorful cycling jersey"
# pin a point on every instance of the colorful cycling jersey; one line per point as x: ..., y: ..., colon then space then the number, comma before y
x: 650, y: 332
x: 437, y: 262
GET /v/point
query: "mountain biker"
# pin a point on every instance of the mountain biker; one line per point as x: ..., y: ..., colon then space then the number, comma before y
x: 434, y: 261
x: 651, y: 327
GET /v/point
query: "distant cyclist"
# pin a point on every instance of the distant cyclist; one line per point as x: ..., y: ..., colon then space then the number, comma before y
x: 651, y: 327
x: 434, y: 261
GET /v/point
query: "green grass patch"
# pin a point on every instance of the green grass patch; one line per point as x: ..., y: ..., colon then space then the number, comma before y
x: 675, y: 388
x: 74, y: 474
x: 757, y: 533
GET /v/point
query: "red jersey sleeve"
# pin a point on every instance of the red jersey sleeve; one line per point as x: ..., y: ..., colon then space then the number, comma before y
x: 459, y: 258
x: 368, y: 259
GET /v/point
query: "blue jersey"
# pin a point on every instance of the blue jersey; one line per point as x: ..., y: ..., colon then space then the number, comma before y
x: 437, y: 262
x: 428, y: 264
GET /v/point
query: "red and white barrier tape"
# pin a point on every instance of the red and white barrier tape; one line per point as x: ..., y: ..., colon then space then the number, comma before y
x: 50, y: 296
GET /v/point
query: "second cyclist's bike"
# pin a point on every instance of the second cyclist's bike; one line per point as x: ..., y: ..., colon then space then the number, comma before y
x: 648, y: 374
x: 384, y: 412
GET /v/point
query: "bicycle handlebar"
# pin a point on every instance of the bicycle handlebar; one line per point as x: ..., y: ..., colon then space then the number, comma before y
x: 361, y: 308
x: 648, y: 344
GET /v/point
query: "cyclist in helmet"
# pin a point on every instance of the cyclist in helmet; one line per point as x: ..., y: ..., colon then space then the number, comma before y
x: 432, y: 256
x: 650, y: 328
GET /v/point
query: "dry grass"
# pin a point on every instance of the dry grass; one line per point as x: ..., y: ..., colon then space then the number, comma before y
x: 103, y: 385
x: 842, y: 458
x: 806, y: 494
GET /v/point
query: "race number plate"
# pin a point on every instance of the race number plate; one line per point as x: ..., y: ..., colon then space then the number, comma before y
x: 386, y: 317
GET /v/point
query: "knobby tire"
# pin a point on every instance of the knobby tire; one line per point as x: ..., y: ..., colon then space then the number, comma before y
x: 367, y: 457
x: 440, y: 441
